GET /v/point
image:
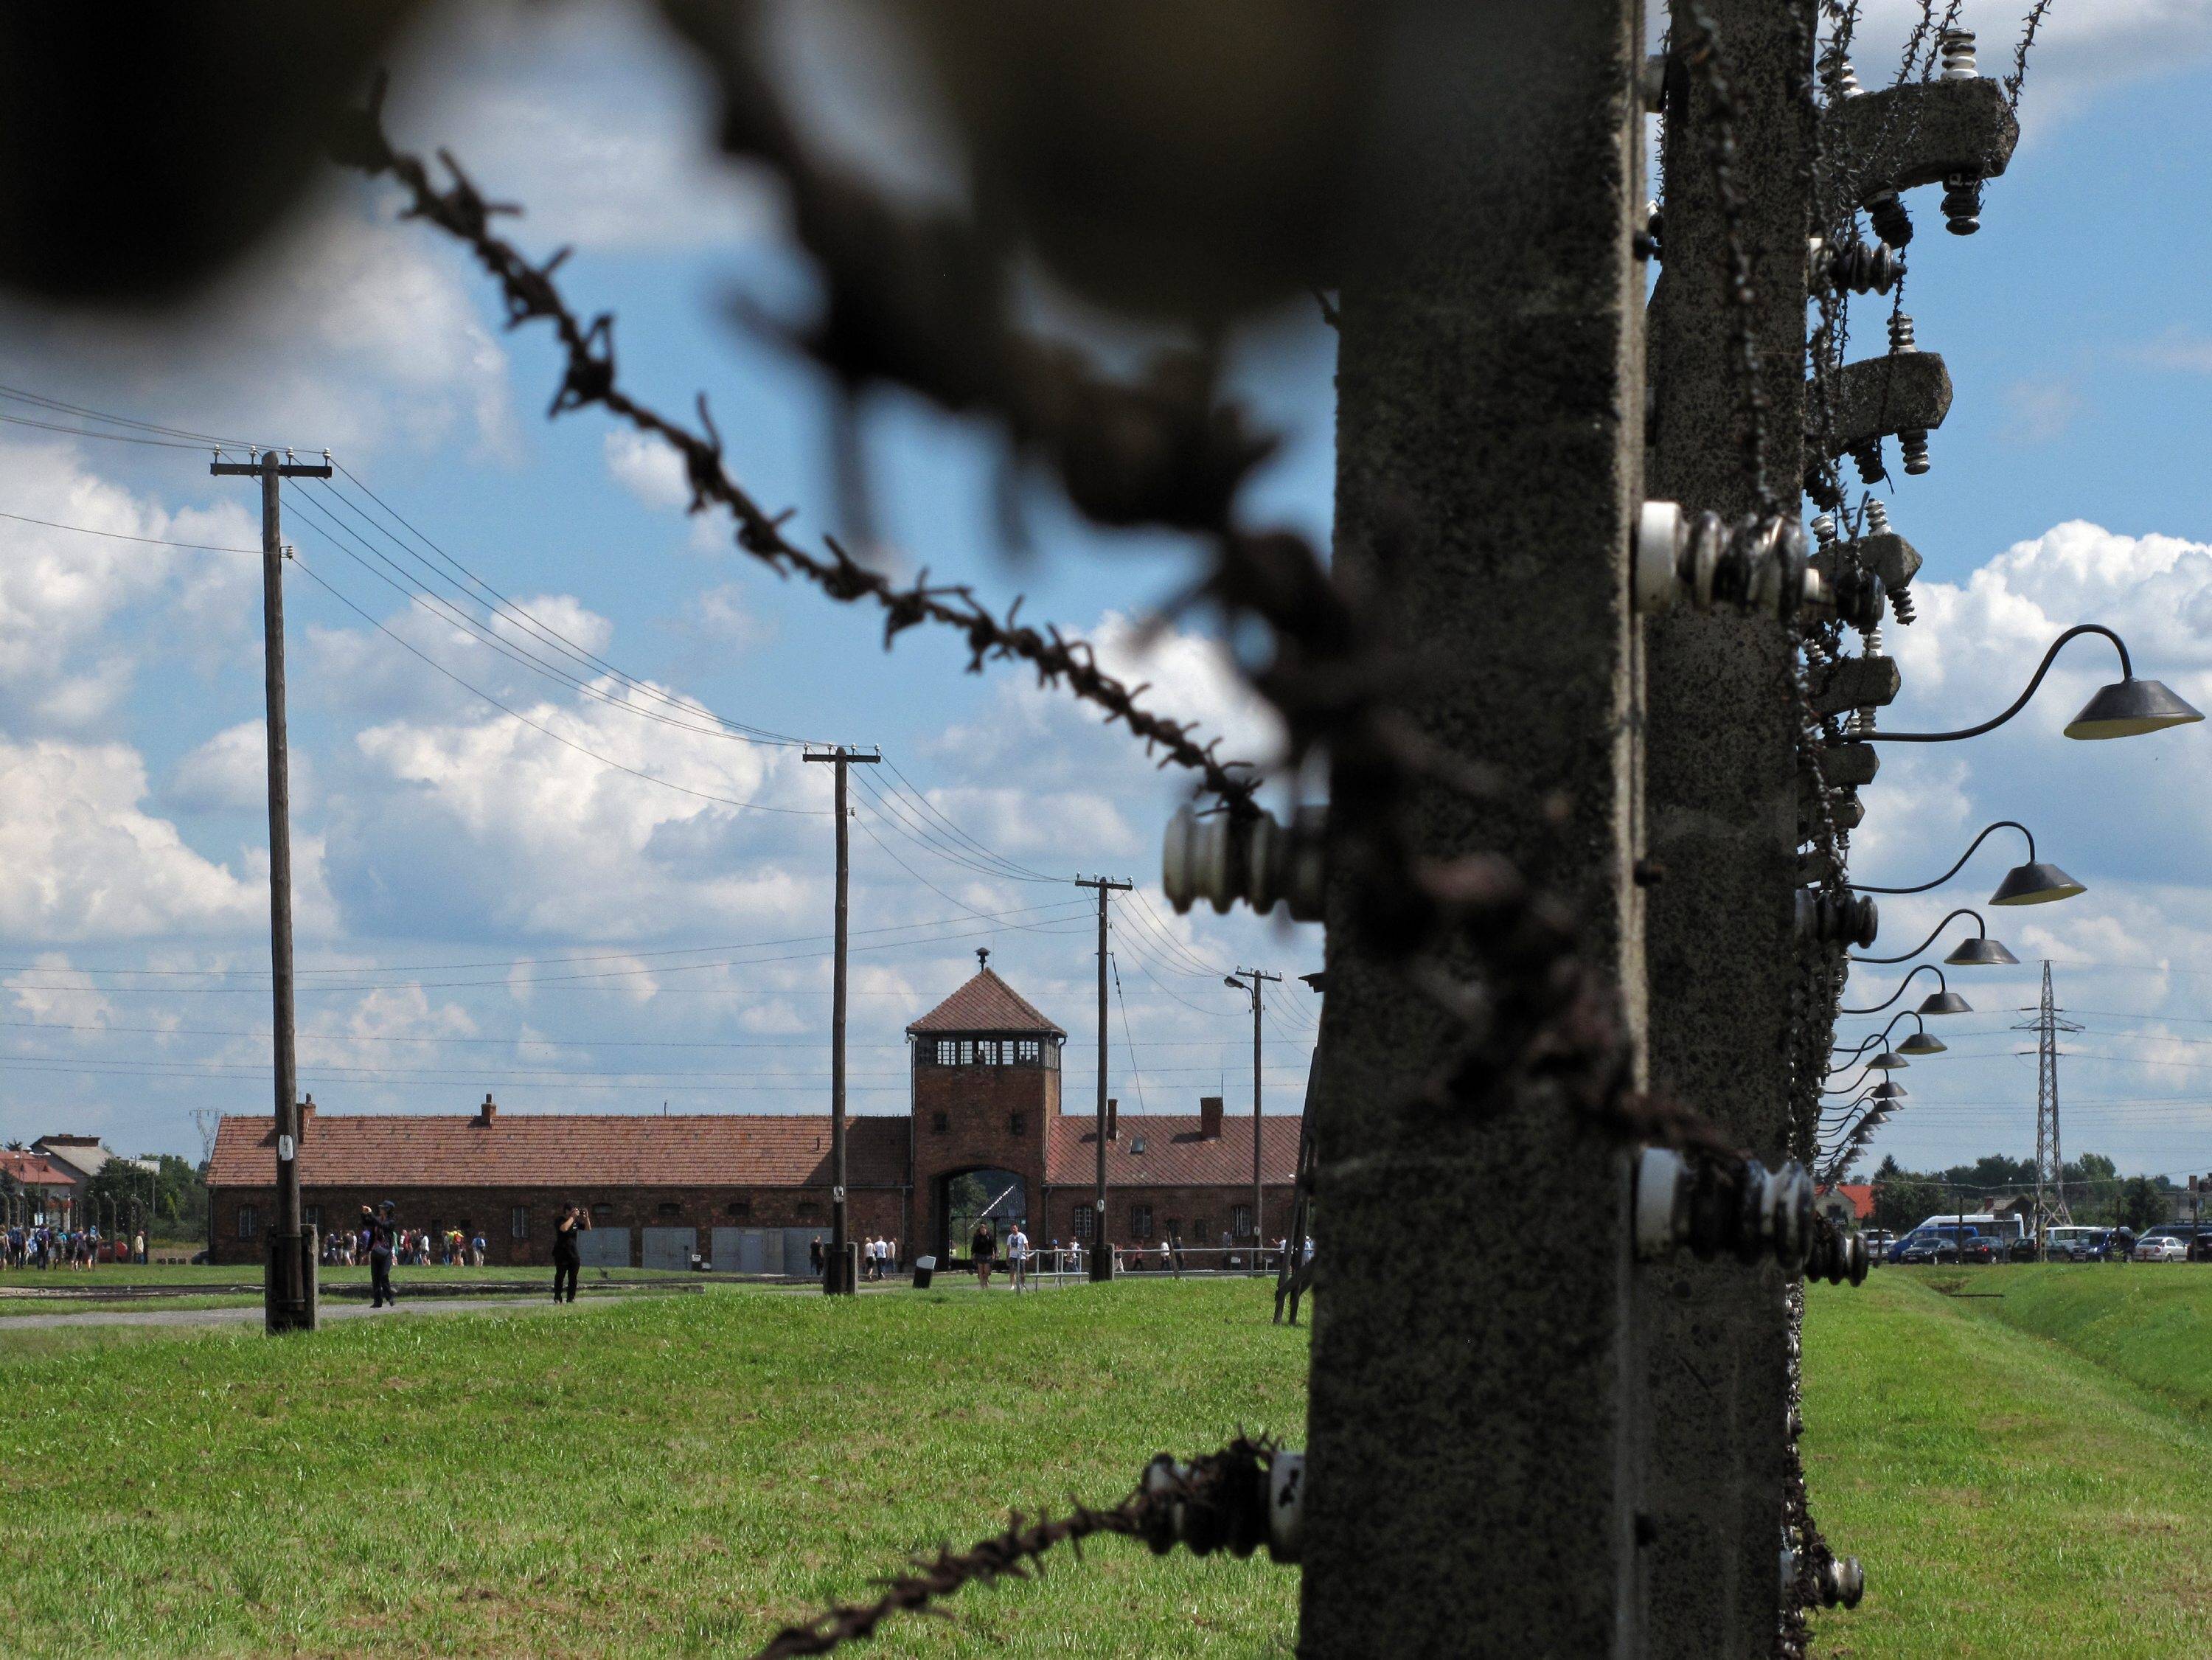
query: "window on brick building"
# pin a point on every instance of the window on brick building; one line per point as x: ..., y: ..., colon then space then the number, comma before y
x: 987, y: 1052
x: 1018, y: 1124
x: 1136, y: 1145
x: 1240, y: 1219
x: 1140, y: 1221
x: 1030, y: 1051
x: 939, y: 1123
x: 948, y: 1052
x: 1084, y: 1222
x: 1202, y: 1229
x: 739, y: 1208
x: 809, y: 1210
x: 967, y: 1051
x: 249, y: 1221
x: 1174, y: 1229
x: 668, y: 1210
x: 602, y: 1215
x: 313, y: 1215
x: 518, y: 1223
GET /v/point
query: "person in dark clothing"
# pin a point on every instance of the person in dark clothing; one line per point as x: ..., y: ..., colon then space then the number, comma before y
x: 567, y: 1258
x: 980, y: 1244
x: 377, y: 1234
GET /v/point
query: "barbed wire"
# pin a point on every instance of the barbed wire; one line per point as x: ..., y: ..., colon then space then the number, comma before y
x: 2017, y: 78
x: 589, y: 378
x: 1217, y: 1502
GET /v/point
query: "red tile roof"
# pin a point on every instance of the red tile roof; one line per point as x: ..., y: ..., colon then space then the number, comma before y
x: 1861, y: 1194
x: 987, y: 1003
x: 35, y: 1171
x: 583, y: 1150
x: 1175, y: 1155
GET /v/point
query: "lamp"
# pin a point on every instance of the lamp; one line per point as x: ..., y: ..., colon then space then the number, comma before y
x: 1888, y: 1060
x: 2033, y: 884
x: 2122, y: 709
x: 1980, y: 952
x: 1889, y: 1090
x: 1919, y: 1043
x: 1942, y: 1002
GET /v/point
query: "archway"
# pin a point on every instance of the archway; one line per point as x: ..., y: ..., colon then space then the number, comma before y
x: 964, y: 1197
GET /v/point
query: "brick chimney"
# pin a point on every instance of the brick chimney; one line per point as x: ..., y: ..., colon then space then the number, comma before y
x: 1209, y: 1117
x: 308, y: 1106
x: 489, y: 1111
x: 1112, y: 1119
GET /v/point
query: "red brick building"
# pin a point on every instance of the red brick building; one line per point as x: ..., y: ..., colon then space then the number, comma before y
x: 986, y: 1134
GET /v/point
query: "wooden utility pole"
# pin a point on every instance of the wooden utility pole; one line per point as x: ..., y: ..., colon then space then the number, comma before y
x: 1259, y: 1193
x: 1471, y: 1452
x: 837, y: 1272
x: 1101, y: 1258
x: 1721, y: 793
x: 289, y: 1296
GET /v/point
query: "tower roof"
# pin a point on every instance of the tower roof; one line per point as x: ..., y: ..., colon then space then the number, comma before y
x: 986, y: 1003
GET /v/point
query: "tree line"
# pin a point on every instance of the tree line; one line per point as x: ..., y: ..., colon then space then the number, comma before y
x: 2096, y: 1192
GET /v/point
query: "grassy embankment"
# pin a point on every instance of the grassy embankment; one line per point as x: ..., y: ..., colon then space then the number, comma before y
x: 2023, y: 1471
x: 663, y: 1476
x: 71, y: 1291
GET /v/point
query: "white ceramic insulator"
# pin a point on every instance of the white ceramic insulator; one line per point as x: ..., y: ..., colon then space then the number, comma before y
x: 1286, y: 1505
x: 1662, y: 1198
x: 1658, y: 555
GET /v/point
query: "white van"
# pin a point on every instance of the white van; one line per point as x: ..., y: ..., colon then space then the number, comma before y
x: 2003, y: 1228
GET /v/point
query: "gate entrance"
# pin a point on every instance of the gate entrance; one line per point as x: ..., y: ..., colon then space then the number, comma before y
x: 1001, y: 1196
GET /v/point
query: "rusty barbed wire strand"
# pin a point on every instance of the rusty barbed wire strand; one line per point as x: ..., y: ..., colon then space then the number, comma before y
x: 589, y: 378
x: 1541, y: 1015
x: 2017, y: 78
x: 1217, y: 1502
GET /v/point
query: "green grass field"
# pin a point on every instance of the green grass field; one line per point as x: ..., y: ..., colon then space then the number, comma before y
x: 670, y: 1476
x: 2023, y: 1471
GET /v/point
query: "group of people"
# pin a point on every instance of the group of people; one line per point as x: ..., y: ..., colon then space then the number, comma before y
x: 879, y: 1256
x: 42, y: 1245
x: 422, y: 1248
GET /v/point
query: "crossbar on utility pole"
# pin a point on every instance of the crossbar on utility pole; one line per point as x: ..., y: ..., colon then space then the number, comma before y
x: 1471, y: 1468
x: 1101, y: 1259
x: 1259, y: 1222
x: 290, y: 1297
x: 836, y: 1272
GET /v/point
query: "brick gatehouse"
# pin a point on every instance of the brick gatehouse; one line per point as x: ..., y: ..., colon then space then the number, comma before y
x: 751, y: 1190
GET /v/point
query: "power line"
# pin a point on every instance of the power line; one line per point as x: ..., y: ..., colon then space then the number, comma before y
x: 566, y: 742
x: 118, y: 535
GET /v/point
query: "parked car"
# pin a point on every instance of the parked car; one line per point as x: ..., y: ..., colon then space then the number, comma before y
x: 1927, y: 1248
x: 2067, y: 1241
x: 2022, y: 1251
x: 1977, y: 1247
x: 2160, y: 1248
x: 1878, y: 1243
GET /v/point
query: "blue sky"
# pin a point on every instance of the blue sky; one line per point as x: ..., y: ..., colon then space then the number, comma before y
x: 434, y: 830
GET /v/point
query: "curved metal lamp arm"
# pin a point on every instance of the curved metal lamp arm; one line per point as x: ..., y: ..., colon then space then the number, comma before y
x: 1981, y: 930
x: 1881, y: 1038
x: 1924, y: 967
x: 2001, y: 823
x: 2127, y: 672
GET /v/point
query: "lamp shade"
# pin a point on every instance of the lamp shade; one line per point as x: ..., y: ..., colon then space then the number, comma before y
x: 2128, y: 707
x: 1887, y: 1060
x: 1921, y: 1044
x: 2035, y: 884
x: 1980, y: 953
x: 1945, y: 1002
x: 1889, y: 1090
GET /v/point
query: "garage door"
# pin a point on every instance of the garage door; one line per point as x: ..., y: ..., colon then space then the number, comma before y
x: 755, y: 1250
x: 670, y: 1247
x: 604, y: 1248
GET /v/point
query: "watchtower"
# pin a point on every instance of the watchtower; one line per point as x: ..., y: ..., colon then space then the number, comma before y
x: 986, y: 1089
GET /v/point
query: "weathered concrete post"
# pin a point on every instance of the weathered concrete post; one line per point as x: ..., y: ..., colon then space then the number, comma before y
x: 1471, y: 1436
x: 1720, y: 795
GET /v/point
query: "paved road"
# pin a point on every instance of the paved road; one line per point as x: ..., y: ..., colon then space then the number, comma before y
x: 252, y: 1316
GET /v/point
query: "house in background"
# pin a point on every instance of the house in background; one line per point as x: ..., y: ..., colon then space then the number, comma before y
x: 38, y: 1189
